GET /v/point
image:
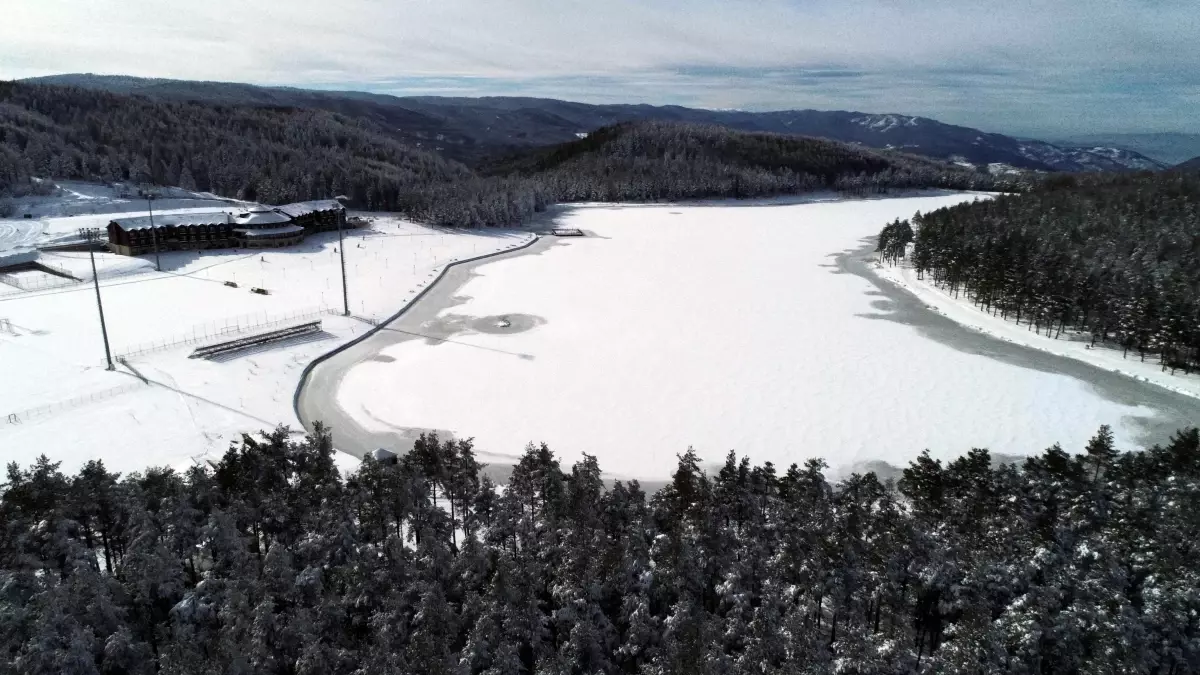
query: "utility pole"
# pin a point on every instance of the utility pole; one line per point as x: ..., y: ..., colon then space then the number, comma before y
x: 92, y: 235
x: 153, y: 232
x: 342, y: 252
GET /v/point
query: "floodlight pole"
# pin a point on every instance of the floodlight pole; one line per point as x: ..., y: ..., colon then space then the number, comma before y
x: 153, y: 232
x: 342, y: 254
x: 91, y: 234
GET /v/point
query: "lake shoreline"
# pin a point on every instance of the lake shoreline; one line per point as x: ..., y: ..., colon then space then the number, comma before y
x: 319, y: 399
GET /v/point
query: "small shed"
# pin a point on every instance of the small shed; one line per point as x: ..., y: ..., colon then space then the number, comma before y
x: 384, y: 456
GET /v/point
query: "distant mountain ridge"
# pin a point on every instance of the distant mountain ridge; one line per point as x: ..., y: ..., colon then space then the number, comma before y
x: 1167, y: 147
x: 471, y: 129
x: 279, y: 153
x: 1192, y: 164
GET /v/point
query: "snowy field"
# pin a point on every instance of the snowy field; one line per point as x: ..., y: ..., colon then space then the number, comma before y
x: 57, y: 398
x: 74, y: 204
x: 719, y: 328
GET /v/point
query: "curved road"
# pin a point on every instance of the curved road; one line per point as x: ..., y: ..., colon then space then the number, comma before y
x: 317, y: 398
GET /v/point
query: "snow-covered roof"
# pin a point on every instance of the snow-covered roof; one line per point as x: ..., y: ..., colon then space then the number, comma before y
x: 260, y: 217
x: 267, y: 231
x: 304, y: 208
x: 382, y: 455
x: 172, y: 220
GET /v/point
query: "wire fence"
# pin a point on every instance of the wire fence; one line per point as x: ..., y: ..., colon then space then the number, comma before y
x: 21, y: 416
x: 105, y: 269
x: 56, y: 269
x: 223, y: 329
x: 55, y: 276
x: 37, y: 281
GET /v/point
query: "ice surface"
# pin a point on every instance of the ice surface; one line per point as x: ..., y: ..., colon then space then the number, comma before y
x: 720, y: 328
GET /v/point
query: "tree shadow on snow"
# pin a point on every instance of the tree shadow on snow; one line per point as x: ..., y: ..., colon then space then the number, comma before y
x: 893, y: 303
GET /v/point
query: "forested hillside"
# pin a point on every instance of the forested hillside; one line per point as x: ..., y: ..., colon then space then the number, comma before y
x: 280, y: 154
x: 647, y: 161
x: 270, y: 563
x: 1115, y: 257
x: 468, y: 129
x: 272, y: 155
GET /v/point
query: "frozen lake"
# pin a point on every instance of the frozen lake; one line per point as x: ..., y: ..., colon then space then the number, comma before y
x: 752, y: 328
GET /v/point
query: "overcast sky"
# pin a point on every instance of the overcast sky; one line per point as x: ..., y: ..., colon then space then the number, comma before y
x: 1042, y: 68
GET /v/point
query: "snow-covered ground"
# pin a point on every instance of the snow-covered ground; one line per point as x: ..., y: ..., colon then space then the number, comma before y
x: 721, y: 325
x: 963, y: 311
x: 73, y: 269
x: 57, y: 398
x: 720, y: 328
x: 75, y: 204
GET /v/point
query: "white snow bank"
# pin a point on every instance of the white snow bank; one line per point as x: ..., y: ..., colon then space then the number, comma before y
x: 961, y: 310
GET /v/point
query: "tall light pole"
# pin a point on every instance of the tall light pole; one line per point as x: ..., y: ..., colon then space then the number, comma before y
x: 342, y: 253
x: 92, y: 235
x: 153, y: 232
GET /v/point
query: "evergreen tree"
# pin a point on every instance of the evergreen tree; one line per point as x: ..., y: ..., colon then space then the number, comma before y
x: 1062, y: 564
x: 1109, y: 258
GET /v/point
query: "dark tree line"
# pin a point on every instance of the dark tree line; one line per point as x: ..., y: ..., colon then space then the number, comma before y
x: 1114, y: 257
x: 280, y: 154
x: 269, y: 562
x: 655, y: 161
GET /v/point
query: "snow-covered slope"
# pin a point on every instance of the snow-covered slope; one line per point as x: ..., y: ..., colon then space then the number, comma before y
x: 884, y: 123
x: 1096, y: 158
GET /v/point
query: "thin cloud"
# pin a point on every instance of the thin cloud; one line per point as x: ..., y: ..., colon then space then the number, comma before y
x: 1019, y: 65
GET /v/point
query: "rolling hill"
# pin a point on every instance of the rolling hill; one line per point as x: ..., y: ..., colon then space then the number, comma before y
x: 271, y: 154
x: 279, y: 153
x: 653, y: 160
x: 474, y: 129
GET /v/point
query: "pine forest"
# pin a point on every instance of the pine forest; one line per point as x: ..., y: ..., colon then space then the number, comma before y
x: 1108, y: 258
x: 279, y: 154
x: 269, y: 562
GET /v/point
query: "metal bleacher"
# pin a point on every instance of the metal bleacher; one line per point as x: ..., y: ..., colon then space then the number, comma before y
x: 250, y: 341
